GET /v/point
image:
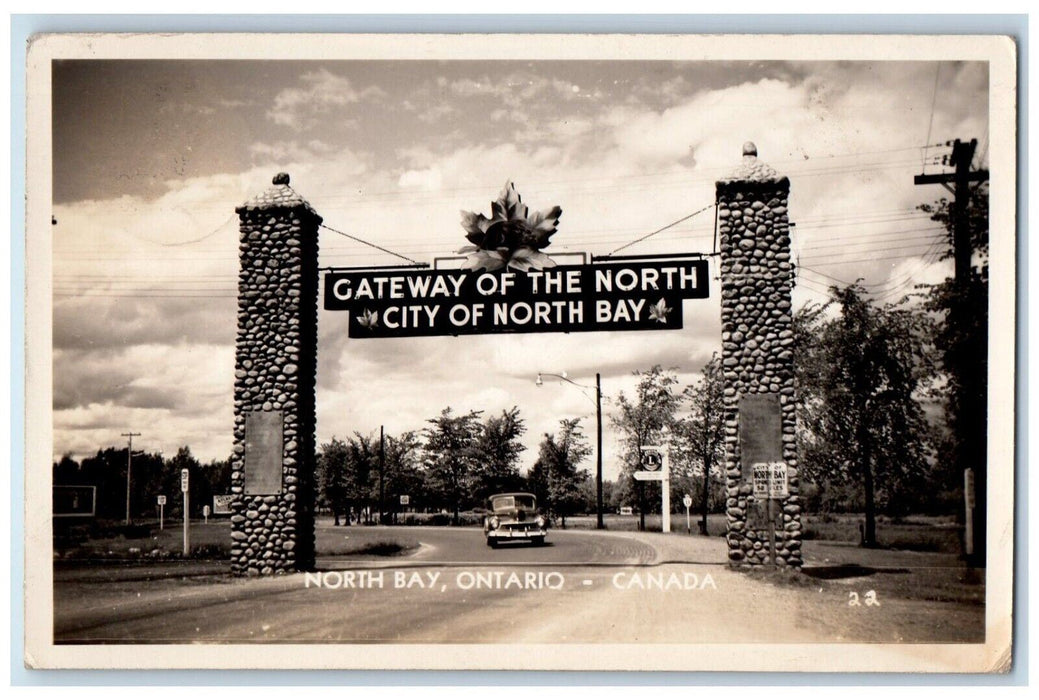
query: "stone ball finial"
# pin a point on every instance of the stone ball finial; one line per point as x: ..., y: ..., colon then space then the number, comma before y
x: 281, y: 179
x: 749, y: 149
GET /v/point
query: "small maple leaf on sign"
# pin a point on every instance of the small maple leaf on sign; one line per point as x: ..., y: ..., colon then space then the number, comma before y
x: 659, y: 311
x: 369, y: 319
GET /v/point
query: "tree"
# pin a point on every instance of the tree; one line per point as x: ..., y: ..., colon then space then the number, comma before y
x: 450, y: 457
x: 333, y: 478
x: 700, y: 437
x: 646, y: 419
x: 559, y: 457
x: 962, y: 338
x: 402, y: 476
x: 859, y: 378
x: 362, y: 465
x: 498, y: 450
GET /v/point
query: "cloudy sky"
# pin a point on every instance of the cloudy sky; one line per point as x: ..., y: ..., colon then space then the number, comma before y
x: 151, y: 157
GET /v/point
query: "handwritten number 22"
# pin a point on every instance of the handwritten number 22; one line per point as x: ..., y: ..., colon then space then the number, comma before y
x: 869, y: 599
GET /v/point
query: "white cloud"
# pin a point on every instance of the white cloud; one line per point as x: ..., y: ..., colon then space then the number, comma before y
x: 322, y: 93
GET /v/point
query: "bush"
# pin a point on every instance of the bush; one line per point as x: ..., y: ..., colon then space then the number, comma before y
x: 465, y: 519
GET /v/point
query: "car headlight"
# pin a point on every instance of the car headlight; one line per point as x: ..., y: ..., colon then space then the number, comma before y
x: 495, y: 523
x: 540, y: 521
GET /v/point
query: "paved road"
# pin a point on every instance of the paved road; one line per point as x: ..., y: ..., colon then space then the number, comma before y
x: 467, y: 547
x: 585, y: 586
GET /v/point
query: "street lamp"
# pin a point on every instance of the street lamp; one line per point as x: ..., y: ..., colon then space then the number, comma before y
x: 598, y: 437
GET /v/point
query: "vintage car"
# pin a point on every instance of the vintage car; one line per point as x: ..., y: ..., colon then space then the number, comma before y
x: 514, y: 516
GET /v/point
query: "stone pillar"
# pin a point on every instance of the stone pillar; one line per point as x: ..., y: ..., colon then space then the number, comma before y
x: 272, y: 469
x: 757, y: 278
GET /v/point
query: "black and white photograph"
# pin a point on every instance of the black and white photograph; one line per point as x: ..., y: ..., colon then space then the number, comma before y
x: 520, y: 352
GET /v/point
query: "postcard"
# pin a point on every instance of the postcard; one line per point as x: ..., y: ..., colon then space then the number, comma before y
x: 584, y: 352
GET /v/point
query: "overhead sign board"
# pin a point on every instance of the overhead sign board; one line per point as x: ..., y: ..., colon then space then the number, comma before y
x: 608, y: 296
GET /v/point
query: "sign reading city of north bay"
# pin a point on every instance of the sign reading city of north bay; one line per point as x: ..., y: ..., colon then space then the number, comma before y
x: 614, y: 296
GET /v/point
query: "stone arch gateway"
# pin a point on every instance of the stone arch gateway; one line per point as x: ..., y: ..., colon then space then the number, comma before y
x: 273, y: 463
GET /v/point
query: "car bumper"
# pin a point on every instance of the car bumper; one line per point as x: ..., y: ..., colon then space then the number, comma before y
x: 515, y: 534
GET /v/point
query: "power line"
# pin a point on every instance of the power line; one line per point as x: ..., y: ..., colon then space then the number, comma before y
x: 930, y: 122
x: 370, y: 244
x: 663, y: 228
x: 862, y: 260
x: 888, y: 237
x: 199, y: 240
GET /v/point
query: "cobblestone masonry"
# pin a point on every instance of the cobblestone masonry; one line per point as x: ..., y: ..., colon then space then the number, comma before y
x: 275, y: 366
x: 757, y: 277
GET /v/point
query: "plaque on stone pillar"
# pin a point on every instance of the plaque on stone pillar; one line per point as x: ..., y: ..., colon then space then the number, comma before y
x: 761, y: 432
x: 263, y: 449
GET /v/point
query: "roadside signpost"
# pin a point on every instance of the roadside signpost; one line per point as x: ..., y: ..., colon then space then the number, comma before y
x: 205, y: 514
x: 657, y: 467
x: 184, y: 490
x: 687, y: 501
x: 161, y: 500
x: 771, y: 482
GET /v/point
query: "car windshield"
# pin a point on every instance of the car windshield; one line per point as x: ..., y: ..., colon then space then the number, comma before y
x: 506, y: 502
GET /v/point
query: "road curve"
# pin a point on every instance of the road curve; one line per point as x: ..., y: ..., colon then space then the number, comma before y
x: 440, y: 546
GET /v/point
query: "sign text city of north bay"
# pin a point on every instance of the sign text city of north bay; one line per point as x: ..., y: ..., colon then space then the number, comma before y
x: 611, y: 296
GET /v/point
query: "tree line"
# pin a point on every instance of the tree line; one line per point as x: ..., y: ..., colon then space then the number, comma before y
x: 151, y: 475
x: 452, y: 466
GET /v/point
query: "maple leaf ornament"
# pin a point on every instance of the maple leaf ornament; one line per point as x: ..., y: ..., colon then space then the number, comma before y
x: 513, y: 237
x: 369, y: 319
x: 659, y: 311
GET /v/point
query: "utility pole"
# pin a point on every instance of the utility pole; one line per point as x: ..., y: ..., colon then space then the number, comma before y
x: 962, y: 155
x: 961, y: 179
x: 382, y: 459
x: 129, y: 463
x: 599, y: 525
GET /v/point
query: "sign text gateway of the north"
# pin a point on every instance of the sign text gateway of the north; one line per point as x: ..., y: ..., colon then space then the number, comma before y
x: 599, y: 297
x: 509, y: 284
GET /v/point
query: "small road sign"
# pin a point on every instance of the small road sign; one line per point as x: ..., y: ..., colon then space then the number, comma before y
x: 652, y: 459
x: 183, y: 480
x: 161, y: 500
x: 222, y: 503
x: 405, y: 500
x: 687, y: 500
x: 770, y: 480
x: 655, y: 460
